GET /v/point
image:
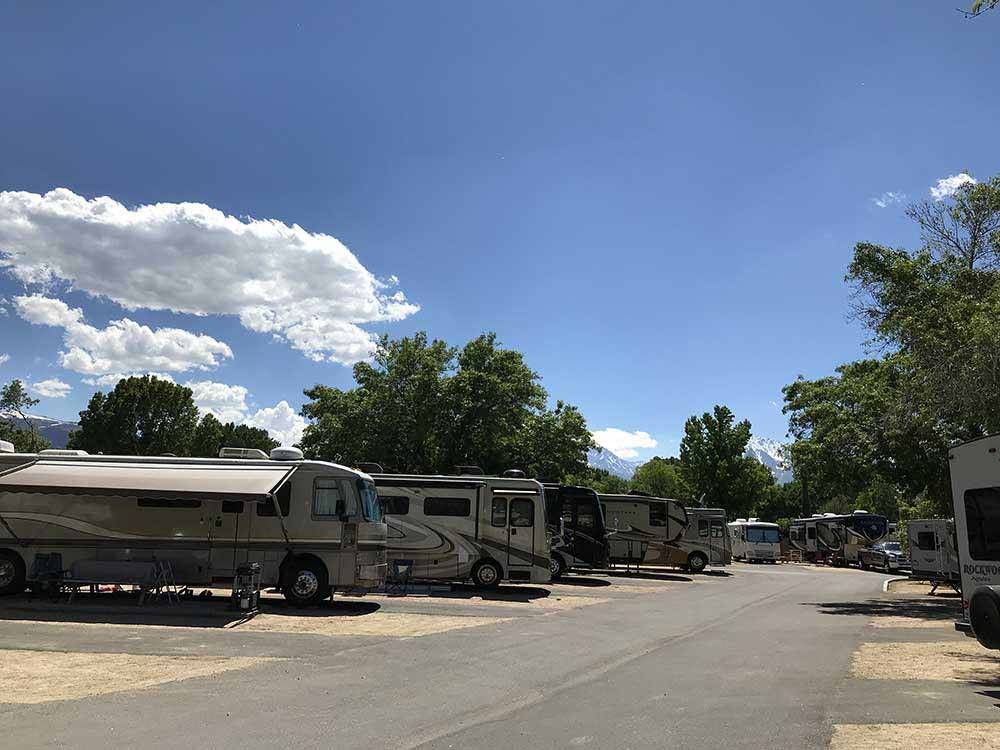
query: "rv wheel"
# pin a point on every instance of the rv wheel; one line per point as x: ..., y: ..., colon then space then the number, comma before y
x: 486, y: 575
x: 306, y: 582
x: 984, y: 616
x: 861, y: 563
x: 697, y: 562
x: 557, y: 566
x: 11, y: 573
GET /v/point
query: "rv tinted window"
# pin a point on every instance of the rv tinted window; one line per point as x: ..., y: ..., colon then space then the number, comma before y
x: 396, y: 505
x: 982, y: 517
x: 702, y: 527
x: 167, y: 502
x: 657, y: 514
x: 716, y: 529
x: 232, y: 506
x: 328, y: 500
x: 811, y: 532
x: 586, y: 516
x: 446, y: 506
x: 266, y: 508
x: 522, y: 513
x: 926, y: 540
x: 499, y: 515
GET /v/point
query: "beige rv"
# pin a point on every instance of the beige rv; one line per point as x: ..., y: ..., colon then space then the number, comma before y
x: 314, y: 527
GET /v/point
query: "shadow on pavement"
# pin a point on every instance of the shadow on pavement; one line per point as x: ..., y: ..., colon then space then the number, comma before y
x: 648, y: 576
x: 944, y: 609
x: 573, y: 580
x: 198, y: 612
x: 501, y: 593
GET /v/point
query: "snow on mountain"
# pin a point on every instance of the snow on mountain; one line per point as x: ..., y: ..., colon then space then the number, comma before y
x: 56, y: 431
x: 771, y: 453
x: 605, y: 459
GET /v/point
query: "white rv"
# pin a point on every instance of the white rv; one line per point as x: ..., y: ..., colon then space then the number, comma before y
x: 755, y: 541
x: 933, y: 550
x: 313, y: 527
x: 836, y: 539
x: 488, y: 529
x: 642, y: 528
x: 975, y: 487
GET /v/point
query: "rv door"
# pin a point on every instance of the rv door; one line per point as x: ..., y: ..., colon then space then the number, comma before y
x: 521, y: 533
x: 228, y: 527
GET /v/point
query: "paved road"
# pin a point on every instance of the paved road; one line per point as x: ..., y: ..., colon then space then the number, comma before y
x: 759, y: 658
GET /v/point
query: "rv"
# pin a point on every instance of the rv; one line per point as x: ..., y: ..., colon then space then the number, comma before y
x: 576, y: 528
x: 642, y: 528
x: 704, y: 542
x: 933, y: 550
x: 802, y: 536
x: 456, y: 528
x: 313, y: 527
x: 836, y: 539
x: 975, y: 488
x: 755, y: 541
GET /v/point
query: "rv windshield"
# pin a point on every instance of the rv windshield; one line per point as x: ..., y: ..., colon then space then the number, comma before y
x: 763, y: 534
x: 369, y: 501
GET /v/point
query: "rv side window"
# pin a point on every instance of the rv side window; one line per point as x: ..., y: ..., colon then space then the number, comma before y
x: 811, y: 532
x: 328, y: 499
x: 716, y: 529
x: 926, y: 540
x: 396, y: 505
x: 657, y: 514
x: 982, y: 517
x: 266, y: 508
x: 499, y: 515
x: 167, y: 502
x: 702, y: 527
x: 585, y: 516
x: 522, y: 513
x: 793, y: 533
x: 232, y: 506
x: 446, y: 506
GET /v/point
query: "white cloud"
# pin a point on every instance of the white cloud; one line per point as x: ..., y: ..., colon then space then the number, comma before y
x: 280, y: 421
x: 303, y: 287
x: 124, y: 346
x: 948, y: 186
x: 623, y: 443
x: 51, y: 388
x: 227, y: 403
x: 888, y: 198
x: 4, y: 359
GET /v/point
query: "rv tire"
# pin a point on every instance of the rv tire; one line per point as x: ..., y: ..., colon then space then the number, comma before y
x: 486, y: 574
x: 984, y: 615
x: 306, y: 582
x: 557, y: 566
x: 12, y: 572
x: 697, y: 562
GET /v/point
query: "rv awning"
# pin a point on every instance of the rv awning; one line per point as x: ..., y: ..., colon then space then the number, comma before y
x: 158, y: 480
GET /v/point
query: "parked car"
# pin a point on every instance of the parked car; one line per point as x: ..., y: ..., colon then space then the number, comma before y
x: 887, y: 556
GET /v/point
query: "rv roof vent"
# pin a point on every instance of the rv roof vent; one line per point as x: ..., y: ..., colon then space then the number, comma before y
x: 242, y: 453
x: 370, y: 468
x: 61, y: 452
x: 514, y: 474
x: 828, y: 515
x: 286, y: 454
x: 469, y: 470
x: 6, y: 447
x: 754, y: 520
x: 860, y: 511
x: 816, y: 515
x: 741, y: 520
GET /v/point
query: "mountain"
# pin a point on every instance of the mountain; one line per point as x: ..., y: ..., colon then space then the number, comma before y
x: 605, y: 459
x: 771, y: 453
x: 56, y: 431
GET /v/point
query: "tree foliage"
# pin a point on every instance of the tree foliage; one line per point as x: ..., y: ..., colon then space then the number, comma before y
x: 423, y: 406
x: 211, y: 435
x: 662, y: 477
x: 16, y: 402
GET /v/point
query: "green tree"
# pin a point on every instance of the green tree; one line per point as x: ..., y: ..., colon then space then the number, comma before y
x: 553, y: 444
x: 663, y: 478
x: 211, y: 435
x: 141, y: 416
x: 712, y: 456
x: 15, y: 401
x: 599, y: 480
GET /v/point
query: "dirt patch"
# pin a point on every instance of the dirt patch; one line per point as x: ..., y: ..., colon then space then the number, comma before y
x: 553, y: 602
x: 389, y: 624
x: 913, y: 622
x: 920, y: 588
x: 44, y: 676
x: 908, y: 736
x: 945, y: 660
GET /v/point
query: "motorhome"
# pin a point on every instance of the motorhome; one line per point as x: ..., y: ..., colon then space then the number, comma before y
x: 802, y: 536
x: 641, y: 528
x: 975, y: 488
x: 755, y: 541
x: 456, y: 528
x: 836, y: 538
x: 576, y: 528
x: 313, y: 527
x: 933, y: 550
x: 704, y: 542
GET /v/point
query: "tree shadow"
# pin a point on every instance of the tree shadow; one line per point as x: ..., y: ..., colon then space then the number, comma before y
x: 647, y: 575
x: 467, y: 591
x: 585, y: 581
x: 922, y: 609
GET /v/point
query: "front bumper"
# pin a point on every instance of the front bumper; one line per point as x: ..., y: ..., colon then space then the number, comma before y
x: 965, y: 627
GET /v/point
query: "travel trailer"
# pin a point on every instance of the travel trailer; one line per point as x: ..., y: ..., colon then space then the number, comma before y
x: 456, y: 528
x: 313, y: 527
x: 704, y: 542
x: 641, y: 528
x: 802, y: 536
x: 975, y: 488
x: 933, y: 550
x: 755, y: 541
x: 836, y: 539
x: 576, y: 528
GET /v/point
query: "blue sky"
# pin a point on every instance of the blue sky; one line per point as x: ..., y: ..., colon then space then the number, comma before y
x: 655, y: 202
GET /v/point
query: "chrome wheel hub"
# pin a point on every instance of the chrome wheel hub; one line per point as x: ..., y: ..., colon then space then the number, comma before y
x: 306, y: 584
x: 7, y: 573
